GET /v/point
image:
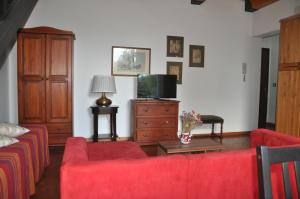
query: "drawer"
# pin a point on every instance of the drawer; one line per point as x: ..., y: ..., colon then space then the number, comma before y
x: 152, y: 110
x: 165, y: 122
x: 58, y: 139
x: 59, y: 128
x: 157, y: 135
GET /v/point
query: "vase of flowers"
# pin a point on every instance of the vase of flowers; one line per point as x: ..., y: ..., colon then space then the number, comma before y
x: 190, y: 120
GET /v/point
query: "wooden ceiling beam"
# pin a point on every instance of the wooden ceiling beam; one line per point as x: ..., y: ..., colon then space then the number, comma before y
x: 197, y: 2
x: 257, y: 4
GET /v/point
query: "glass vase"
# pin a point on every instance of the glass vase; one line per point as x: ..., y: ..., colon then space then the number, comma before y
x: 185, y: 137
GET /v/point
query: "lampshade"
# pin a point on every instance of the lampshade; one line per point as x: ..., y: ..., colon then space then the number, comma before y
x: 105, y: 84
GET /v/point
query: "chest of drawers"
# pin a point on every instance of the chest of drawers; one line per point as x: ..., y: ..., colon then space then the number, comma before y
x: 154, y: 120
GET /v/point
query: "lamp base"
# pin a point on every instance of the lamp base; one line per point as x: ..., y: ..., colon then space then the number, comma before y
x: 103, y: 101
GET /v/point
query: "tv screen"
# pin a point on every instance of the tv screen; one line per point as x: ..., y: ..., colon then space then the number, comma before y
x: 156, y: 86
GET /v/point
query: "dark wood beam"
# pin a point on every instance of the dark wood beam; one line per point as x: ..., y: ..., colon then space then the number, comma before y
x: 197, y: 2
x: 248, y: 6
x: 14, y: 14
x: 257, y: 4
x: 253, y: 5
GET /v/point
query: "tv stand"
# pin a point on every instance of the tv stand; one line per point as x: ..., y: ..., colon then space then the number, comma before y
x: 154, y: 120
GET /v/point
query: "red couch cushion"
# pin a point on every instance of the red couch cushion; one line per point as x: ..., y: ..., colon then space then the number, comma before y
x: 158, y: 177
x: 226, y: 175
x: 114, y: 150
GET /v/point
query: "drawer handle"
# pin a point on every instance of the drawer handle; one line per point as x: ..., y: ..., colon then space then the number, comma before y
x: 145, y: 136
x: 146, y: 123
x: 167, y: 110
x: 146, y: 110
x: 167, y: 122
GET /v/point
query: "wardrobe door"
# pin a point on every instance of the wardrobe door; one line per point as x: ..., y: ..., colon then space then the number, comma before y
x: 59, y: 79
x: 288, y: 91
x: 59, y: 87
x: 31, y: 78
x: 288, y: 102
x: 290, y: 42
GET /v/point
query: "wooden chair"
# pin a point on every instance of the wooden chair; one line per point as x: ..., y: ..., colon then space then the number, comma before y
x: 267, y: 156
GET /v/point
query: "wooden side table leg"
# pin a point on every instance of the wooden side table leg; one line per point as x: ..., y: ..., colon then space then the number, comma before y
x: 113, y: 127
x: 95, y: 136
x: 221, y: 133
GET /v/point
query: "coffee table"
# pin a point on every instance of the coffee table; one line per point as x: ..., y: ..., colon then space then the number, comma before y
x: 196, y: 146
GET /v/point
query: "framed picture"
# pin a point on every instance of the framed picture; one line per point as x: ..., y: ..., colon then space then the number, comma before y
x: 174, y: 46
x: 175, y: 68
x: 196, y: 56
x: 130, y: 61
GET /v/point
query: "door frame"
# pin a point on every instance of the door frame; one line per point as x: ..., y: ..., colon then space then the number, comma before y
x: 264, y: 83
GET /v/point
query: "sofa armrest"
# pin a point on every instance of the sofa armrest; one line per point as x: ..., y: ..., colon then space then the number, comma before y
x: 271, y: 138
x: 257, y: 137
x: 75, y: 150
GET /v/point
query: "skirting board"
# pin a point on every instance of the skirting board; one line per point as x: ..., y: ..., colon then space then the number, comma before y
x: 225, y: 134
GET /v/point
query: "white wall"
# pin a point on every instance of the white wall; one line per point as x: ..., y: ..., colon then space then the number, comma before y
x: 222, y: 26
x: 266, y: 20
x: 272, y: 43
x: 4, y: 93
x: 13, y: 85
x: 8, y: 89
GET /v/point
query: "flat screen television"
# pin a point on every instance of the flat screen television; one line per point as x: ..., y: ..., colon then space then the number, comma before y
x: 156, y: 86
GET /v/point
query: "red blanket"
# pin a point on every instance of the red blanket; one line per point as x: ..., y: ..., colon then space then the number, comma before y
x: 22, y: 164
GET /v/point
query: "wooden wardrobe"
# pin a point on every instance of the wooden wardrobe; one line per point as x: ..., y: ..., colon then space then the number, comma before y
x: 288, y: 93
x: 45, y: 59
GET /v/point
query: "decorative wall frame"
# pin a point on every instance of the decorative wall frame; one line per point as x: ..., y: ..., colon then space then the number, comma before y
x: 175, y: 46
x: 196, y: 56
x: 130, y: 61
x: 175, y: 68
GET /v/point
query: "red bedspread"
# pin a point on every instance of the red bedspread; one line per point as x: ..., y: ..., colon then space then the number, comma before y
x: 22, y: 164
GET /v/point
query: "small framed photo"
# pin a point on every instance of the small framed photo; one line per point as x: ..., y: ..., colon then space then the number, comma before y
x: 130, y: 61
x: 175, y: 46
x: 175, y: 68
x: 196, y: 56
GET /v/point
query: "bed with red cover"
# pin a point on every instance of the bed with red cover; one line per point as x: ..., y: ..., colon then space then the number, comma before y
x: 22, y: 164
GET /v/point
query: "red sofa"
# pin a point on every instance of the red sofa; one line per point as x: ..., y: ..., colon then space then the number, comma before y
x: 122, y: 170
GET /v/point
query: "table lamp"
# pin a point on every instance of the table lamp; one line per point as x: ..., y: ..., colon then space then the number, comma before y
x: 103, y: 84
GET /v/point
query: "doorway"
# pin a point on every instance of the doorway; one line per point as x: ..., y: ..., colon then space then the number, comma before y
x: 268, y: 85
x: 264, y: 83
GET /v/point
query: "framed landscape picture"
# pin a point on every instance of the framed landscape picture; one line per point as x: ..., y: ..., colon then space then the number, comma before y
x: 130, y: 61
x: 196, y: 56
x: 175, y: 68
x: 175, y: 46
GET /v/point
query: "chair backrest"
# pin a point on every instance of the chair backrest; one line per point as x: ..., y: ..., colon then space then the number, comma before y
x: 267, y: 156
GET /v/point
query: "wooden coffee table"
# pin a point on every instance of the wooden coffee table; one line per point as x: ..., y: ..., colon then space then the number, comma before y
x: 196, y: 146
